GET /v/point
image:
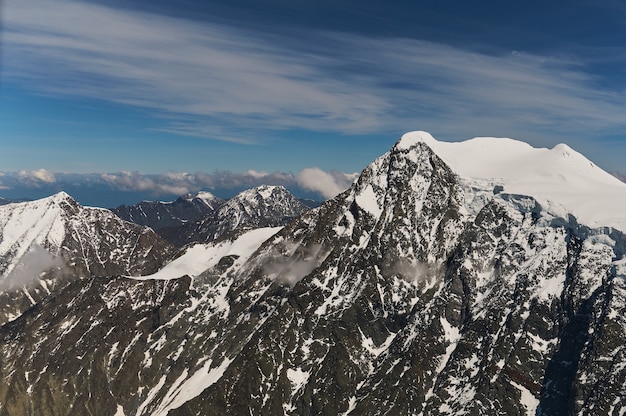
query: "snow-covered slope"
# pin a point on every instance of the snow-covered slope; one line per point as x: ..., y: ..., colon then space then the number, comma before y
x: 200, y: 257
x: 28, y: 223
x: 54, y: 239
x: 562, y: 180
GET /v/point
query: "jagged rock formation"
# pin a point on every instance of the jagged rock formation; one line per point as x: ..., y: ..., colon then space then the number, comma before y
x: 263, y: 206
x: 157, y: 214
x: 416, y: 291
x: 46, y: 243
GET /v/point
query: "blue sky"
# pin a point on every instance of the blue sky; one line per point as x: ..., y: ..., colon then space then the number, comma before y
x: 117, y: 100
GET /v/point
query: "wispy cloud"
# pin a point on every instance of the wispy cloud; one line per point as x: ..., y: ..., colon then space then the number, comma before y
x: 229, y: 83
x: 30, y: 268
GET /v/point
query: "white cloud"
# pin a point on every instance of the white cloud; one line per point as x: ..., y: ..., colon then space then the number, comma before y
x: 295, y: 263
x: 173, y: 65
x: 232, y: 84
x: 327, y: 184
x: 177, y: 184
x: 36, y: 177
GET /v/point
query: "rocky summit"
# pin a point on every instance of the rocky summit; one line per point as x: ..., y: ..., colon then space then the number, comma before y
x: 424, y: 289
x: 263, y: 206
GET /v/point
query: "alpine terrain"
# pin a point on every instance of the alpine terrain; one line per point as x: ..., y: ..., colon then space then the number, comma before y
x: 158, y: 214
x: 263, y: 206
x: 481, y: 277
x: 47, y: 243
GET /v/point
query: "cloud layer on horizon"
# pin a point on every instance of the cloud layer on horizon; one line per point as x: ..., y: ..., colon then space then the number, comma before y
x: 41, y: 183
x: 234, y: 84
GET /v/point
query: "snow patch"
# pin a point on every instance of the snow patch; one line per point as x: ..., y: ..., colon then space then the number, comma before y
x: 266, y: 191
x: 351, y: 406
x: 206, y: 197
x: 201, y: 257
x: 367, y: 200
x: 528, y: 400
x: 185, y: 389
x: 298, y: 379
x: 371, y: 347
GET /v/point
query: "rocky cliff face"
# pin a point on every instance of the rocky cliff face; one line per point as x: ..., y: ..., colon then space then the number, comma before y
x: 414, y: 292
x: 48, y: 242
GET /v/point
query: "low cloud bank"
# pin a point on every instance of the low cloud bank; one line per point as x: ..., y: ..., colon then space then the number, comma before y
x: 113, y: 189
x: 37, y: 177
x: 158, y: 184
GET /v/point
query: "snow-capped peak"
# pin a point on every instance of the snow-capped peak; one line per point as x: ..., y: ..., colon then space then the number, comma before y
x: 202, y: 195
x: 263, y: 206
x: 205, y: 196
x: 561, y: 179
x: 264, y: 191
x: 61, y: 196
x: 26, y: 223
x: 411, y: 139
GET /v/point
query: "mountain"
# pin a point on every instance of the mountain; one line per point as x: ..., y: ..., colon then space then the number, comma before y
x: 423, y: 289
x: 263, y: 206
x: 310, y: 203
x: 157, y: 214
x: 46, y: 243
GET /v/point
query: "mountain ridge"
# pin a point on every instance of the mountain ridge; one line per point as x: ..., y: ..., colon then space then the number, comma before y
x: 412, y: 292
x: 158, y: 214
x: 262, y: 206
x: 560, y: 178
x: 48, y: 242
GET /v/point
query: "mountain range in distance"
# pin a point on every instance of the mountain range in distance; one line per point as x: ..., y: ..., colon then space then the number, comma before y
x: 202, y: 217
x: 480, y: 277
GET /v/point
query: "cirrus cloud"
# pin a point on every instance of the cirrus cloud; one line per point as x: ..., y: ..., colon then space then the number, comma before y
x: 235, y: 84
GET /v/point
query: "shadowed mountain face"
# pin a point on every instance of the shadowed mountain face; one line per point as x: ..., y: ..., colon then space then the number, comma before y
x: 413, y: 292
x: 158, y: 215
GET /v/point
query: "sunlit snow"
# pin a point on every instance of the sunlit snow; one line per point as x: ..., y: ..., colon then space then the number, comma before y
x: 201, y: 257
x: 561, y: 179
